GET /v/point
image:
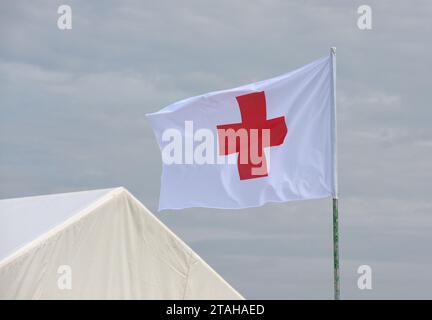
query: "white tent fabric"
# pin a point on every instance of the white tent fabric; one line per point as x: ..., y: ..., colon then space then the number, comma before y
x: 114, y: 247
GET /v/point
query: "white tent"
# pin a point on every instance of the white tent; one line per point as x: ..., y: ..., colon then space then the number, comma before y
x: 101, y: 244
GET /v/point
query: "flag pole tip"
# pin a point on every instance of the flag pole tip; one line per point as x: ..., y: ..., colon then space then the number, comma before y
x: 333, y: 49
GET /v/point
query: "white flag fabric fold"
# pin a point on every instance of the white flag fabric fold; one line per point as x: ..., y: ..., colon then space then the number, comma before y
x: 287, y: 121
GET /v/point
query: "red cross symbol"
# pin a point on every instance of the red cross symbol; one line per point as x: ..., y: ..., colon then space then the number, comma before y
x: 254, y: 121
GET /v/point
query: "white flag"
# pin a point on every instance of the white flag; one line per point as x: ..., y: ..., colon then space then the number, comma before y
x: 269, y: 141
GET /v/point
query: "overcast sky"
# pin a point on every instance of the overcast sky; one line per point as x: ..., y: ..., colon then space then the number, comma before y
x: 72, y: 117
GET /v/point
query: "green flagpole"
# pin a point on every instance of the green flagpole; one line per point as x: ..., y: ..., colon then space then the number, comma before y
x: 336, y: 249
x: 335, y: 181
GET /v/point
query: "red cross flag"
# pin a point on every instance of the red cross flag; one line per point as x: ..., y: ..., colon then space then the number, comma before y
x: 272, y: 140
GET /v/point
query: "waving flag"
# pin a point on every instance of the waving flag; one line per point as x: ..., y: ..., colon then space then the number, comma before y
x: 272, y: 140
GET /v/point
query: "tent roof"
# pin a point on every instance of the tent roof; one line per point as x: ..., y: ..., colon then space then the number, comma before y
x: 116, y: 247
x: 24, y: 219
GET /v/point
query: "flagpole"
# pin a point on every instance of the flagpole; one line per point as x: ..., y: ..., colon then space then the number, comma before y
x: 335, y: 181
x: 336, y: 249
